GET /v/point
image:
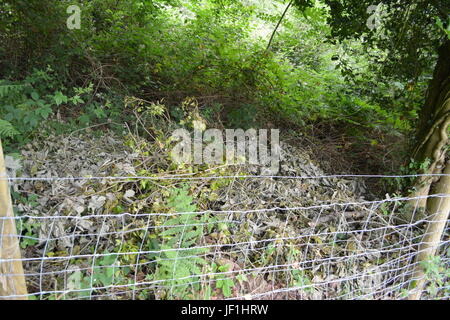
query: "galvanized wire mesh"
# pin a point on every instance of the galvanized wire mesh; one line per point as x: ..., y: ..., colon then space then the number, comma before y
x: 353, y: 250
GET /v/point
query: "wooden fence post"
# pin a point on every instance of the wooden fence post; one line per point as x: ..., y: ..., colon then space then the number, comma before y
x: 14, y: 283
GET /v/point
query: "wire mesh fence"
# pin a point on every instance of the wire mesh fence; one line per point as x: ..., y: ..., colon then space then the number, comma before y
x: 334, y: 250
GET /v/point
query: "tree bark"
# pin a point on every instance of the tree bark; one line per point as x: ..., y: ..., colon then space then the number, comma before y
x: 439, y: 207
x: 432, y: 138
x: 441, y: 79
x: 432, y: 144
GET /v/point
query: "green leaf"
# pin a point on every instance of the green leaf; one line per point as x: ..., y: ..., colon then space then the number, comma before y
x: 59, y: 98
x: 7, y: 130
x: 35, y: 95
x: 44, y: 111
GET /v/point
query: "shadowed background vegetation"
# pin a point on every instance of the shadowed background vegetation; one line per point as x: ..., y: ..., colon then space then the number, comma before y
x: 352, y: 91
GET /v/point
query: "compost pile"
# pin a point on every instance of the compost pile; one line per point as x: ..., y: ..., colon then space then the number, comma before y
x: 245, y: 238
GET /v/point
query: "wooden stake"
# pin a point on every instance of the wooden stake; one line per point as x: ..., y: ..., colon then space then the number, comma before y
x: 14, y: 283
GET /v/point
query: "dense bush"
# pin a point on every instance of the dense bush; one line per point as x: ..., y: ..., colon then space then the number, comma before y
x: 214, y: 51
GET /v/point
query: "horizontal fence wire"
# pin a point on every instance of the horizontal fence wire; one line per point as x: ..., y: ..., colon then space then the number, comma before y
x: 189, y: 176
x: 336, y: 250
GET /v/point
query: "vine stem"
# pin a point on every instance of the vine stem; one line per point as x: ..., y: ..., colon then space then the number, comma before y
x: 278, y: 24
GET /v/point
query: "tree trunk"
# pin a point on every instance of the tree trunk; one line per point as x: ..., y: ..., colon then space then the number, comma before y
x: 441, y: 77
x: 432, y: 144
x: 432, y: 138
x: 439, y: 208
